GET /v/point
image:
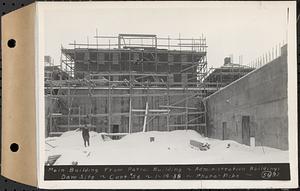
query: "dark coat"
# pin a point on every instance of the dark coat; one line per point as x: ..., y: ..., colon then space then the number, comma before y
x: 85, y: 132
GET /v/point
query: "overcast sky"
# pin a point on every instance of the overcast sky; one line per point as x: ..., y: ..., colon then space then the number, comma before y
x: 249, y: 29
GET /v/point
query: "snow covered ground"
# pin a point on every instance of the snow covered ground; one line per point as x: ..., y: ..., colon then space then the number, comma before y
x: 167, y: 148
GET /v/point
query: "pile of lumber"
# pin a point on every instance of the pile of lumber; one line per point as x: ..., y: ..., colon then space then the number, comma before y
x: 201, y: 146
x: 52, y: 159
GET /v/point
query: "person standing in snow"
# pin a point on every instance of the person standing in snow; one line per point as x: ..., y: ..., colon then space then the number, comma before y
x: 86, y: 135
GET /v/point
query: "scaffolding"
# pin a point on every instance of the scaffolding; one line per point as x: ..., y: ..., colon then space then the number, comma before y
x: 170, y: 71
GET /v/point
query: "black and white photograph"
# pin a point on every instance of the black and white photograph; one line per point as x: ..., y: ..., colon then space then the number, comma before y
x: 168, y: 83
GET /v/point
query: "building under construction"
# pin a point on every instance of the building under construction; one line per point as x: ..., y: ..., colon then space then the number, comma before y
x: 133, y: 82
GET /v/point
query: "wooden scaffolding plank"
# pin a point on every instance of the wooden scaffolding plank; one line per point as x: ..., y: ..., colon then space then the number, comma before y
x: 189, y: 125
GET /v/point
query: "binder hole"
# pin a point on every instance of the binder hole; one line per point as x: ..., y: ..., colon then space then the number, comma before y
x: 11, y: 43
x: 14, y: 147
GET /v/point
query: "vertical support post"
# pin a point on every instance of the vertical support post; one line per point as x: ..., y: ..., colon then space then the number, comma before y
x: 142, y: 59
x: 279, y: 49
x: 88, y: 57
x: 130, y: 95
x: 168, y: 86
x: 156, y: 57
x: 69, y: 108
x: 130, y: 98
x: 88, y: 42
x: 97, y: 46
x: 51, y: 100
x: 51, y: 110
x: 266, y: 56
x: 205, y: 119
x: 97, y: 42
x: 186, y: 108
x: 79, y: 117
x: 179, y: 42
x: 130, y: 115
x: 109, y: 94
x: 156, y: 61
x: 61, y: 58
x: 168, y: 97
x: 193, y: 44
x: 109, y: 104
x: 72, y: 73
x: 233, y: 73
x: 145, y: 118
x: 221, y: 77
x: 201, y: 44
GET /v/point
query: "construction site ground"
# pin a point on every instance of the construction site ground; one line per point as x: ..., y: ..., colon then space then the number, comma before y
x: 154, y: 147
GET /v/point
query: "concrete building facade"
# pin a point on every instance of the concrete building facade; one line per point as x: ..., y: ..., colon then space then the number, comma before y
x: 253, y: 108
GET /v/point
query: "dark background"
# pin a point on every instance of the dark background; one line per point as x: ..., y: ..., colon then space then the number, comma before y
x: 7, y: 6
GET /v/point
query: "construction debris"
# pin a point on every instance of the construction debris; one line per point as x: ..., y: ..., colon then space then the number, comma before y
x: 51, y: 160
x: 201, y: 146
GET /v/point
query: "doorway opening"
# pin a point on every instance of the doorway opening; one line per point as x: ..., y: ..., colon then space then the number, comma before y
x: 246, y: 130
x: 115, y: 129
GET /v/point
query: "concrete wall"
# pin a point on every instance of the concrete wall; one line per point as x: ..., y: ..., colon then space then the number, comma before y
x: 262, y: 96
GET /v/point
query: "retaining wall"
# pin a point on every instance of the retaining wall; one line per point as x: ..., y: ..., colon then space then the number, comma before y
x: 253, y: 106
